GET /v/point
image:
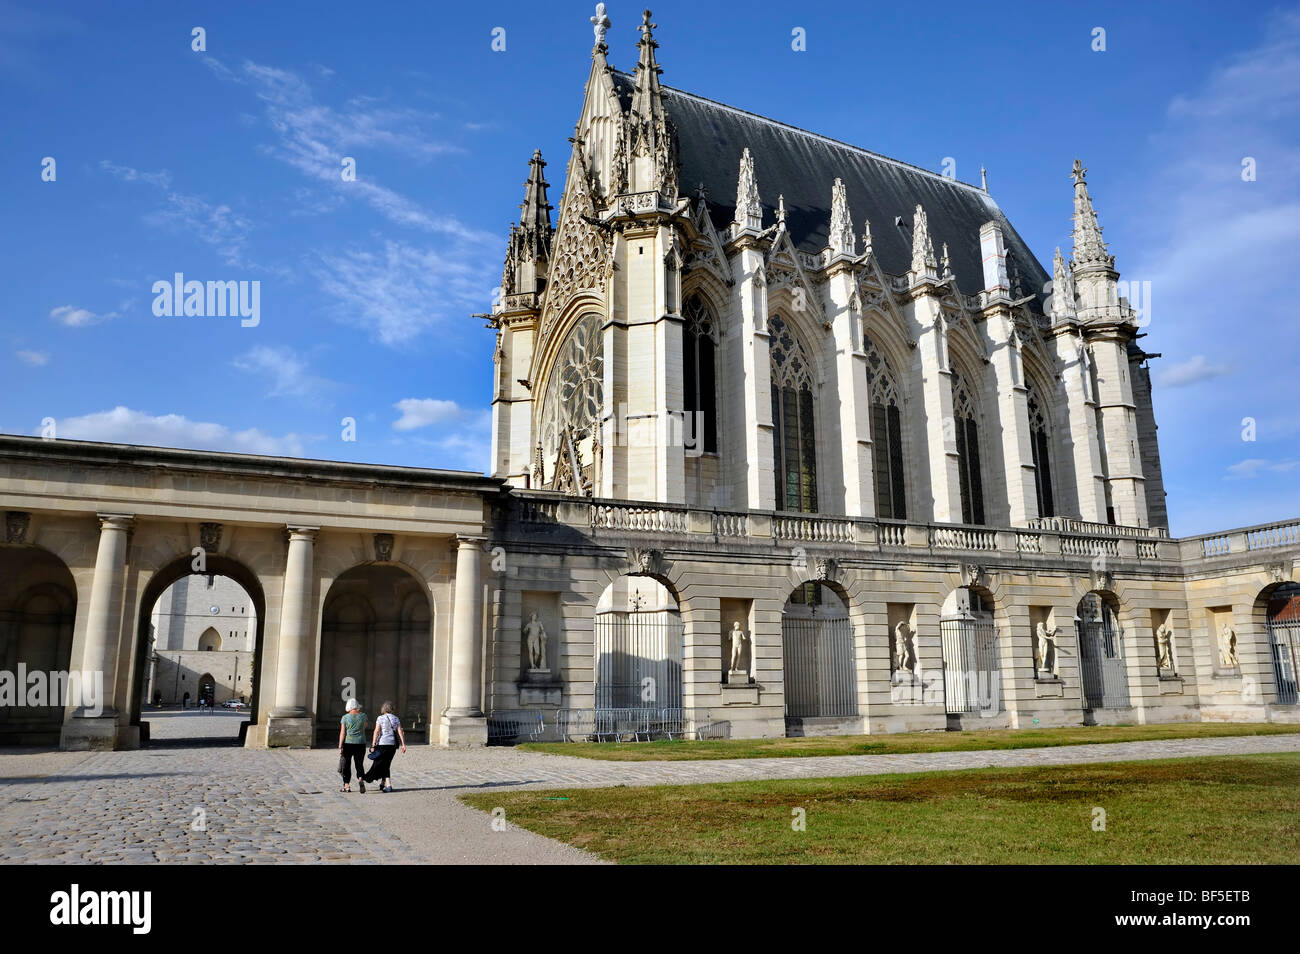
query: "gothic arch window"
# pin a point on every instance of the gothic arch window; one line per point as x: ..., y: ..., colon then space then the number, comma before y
x: 1039, y: 441
x: 699, y: 369
x: 886, y: 434
x: 571, y: 409
x: 968, y: 452
x: 794, y: 441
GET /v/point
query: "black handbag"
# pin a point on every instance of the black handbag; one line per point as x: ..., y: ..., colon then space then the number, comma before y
x: 343, y: 765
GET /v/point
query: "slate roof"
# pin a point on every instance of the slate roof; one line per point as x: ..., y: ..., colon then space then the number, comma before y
x: 802, y: 165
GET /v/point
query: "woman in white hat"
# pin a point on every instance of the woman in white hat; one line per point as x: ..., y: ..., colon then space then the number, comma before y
x: 352, y: 745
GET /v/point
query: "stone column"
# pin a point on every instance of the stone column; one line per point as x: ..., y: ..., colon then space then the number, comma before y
x: 940, y: 425
x: 751, y: 446
x: 95, y: 726
x: 855, y: 398
x: 462, y: 721
x: 1119, y: 431
x: 1013, y: 408
x: 1081, y: 413
x: 290, y: 719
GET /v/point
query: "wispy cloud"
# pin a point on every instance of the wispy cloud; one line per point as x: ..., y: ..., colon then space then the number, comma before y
x: 284, y: 371
x: 314, y: 138
x: 36, y: 359
x: 1254, y: 466
x: 402, y: 290
x: 215, y: 225
x: 122, y: 425
x: 74, y: 317
x: 465, y: 438
x: 1192, y: 371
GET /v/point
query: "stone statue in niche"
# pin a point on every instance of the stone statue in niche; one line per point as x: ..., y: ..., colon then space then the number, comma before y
x: 535, y: 640
x: 1228, y: 647
x: 1046, y: 640
x: 738, y: 638
x: 1165, y: 646
x: 904, y: 651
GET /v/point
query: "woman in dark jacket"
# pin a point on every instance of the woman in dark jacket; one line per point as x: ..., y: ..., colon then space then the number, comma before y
x: 388, y: 735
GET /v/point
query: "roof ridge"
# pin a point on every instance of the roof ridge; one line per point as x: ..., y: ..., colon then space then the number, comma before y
x: 838, y: 142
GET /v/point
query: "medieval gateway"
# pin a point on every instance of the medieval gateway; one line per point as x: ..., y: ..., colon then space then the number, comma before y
x: 788, y: 438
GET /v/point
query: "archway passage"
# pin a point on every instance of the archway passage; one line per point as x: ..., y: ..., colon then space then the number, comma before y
x: 972, y: 680
x: 817, y: 652
x: 1101, y: 653
x: 197, y: 626
x: 639, y: 635
x: 38, y: 603
x: 377, y: 646
x: 1284, y: 641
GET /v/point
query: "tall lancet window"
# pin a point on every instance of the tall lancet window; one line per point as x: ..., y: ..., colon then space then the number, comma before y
x: 968, y: 452
x: 886, y: 434
x: 698, y: 369
x: 794, y: 443
x: 1039, y: 441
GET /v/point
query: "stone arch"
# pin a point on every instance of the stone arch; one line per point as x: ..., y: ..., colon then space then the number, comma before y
x: 38, y: 604
x: 819, y: 657
x: 210, y: 640
x: 1276, y: 613
x: 163, y: 576
x: 207, y: 691
x: 1040, y: 400
x: 639, y: 632
x: 376, y: 643
x: 969, y: 620
x: 570, y: 407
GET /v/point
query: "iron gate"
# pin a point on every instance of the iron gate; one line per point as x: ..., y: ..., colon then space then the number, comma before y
x: 820, y: 678
x: 971, y: 681
x: 638, y: 659
x: 1101, y: 657
x: 1284, y: 638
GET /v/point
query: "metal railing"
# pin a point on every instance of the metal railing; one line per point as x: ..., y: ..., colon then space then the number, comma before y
x: 820, y: 672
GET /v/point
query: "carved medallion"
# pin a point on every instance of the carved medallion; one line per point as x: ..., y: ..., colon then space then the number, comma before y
x: 383, y: 547
x: 210, y: 537
x: 16, y: 524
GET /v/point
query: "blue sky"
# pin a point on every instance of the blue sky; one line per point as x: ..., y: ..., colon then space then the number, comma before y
x: 225, y: 165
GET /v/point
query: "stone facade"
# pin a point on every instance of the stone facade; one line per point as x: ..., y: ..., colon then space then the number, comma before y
x: 859, y: 410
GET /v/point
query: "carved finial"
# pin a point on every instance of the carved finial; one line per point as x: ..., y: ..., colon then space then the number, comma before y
x: 841, y: 237
x: 866, y: 236
x: 1088, y: 246
x: 1062, y: 304
x: 646, y: 26
x: 780, y: 211
x: 599, y: 24
x: 923, y: 262
x: 749, y: 211
x: 945, y: 266
x: 984, y: 179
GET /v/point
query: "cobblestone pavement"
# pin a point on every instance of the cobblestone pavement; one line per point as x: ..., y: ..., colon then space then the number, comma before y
x: 284, y: 806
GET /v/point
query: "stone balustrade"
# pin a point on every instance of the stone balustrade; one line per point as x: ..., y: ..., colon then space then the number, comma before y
x: 1055, y: 537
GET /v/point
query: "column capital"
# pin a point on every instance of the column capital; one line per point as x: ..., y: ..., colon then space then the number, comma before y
x: 116, y: 521
x: 294, y: 531
x: 465, y: 540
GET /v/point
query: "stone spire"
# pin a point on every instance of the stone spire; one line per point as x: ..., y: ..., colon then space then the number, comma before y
x: 841, y: 237
x: 945, y: 263
x: 923, y: 261
x: 653, y: 156
x: 1089, y: 249
x: 529, y: 247
x: 780, y: 211
x: 866, y: 236
x: 749, y: 211
x: 536, y: 210
x: 1062, y: 289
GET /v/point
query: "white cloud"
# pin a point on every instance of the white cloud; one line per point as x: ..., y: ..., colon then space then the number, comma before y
x: 314, y: 138
x: 123, y: 425
x: 217, y: 226
x: 421, y: 412
x: 75, y: 317
x: 1192, y: 371
x: 286, y: 372
x: 402, y: 290
x: 36, y: 359
x: 1254, y: 466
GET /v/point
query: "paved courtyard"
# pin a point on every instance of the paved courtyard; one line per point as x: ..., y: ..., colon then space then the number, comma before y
x: 229, y: 805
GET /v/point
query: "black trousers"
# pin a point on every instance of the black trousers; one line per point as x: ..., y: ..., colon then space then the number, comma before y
x: 354, y: 753
x: 381, y: 766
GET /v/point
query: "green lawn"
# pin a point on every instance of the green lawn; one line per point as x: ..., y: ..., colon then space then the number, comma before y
x: 1241, y: 809
x: 902, y: 743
